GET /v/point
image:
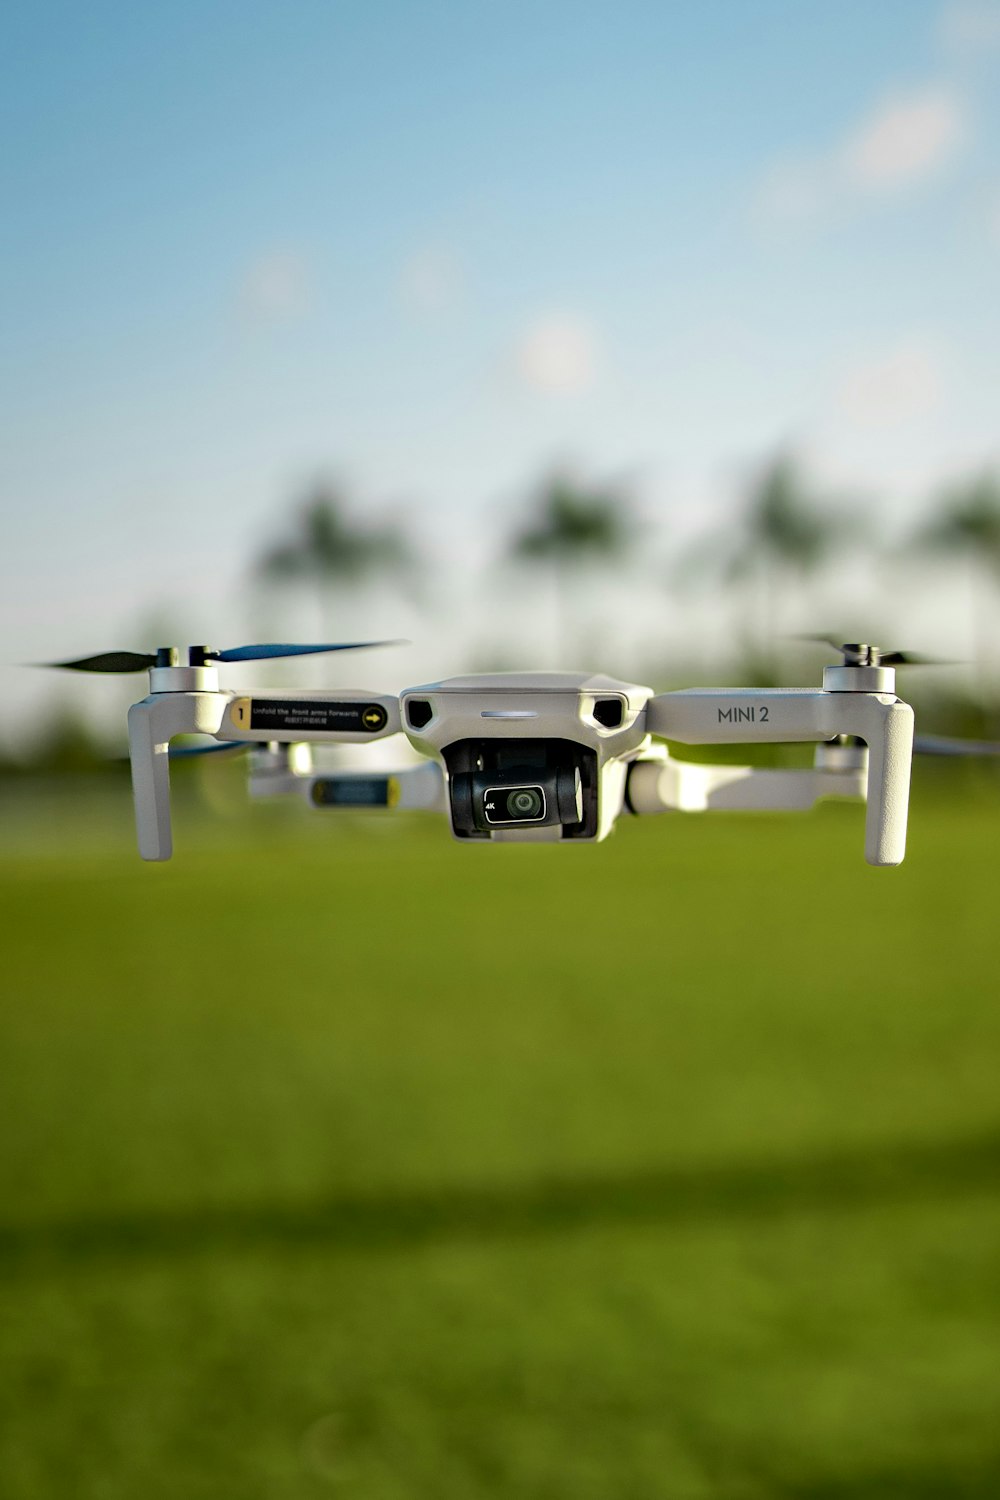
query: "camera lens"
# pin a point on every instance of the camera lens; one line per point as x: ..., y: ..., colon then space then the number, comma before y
x: 503, y: 805
x: 526, y: 802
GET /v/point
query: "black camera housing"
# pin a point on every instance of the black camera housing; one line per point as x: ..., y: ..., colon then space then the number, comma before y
x: 505, y: 785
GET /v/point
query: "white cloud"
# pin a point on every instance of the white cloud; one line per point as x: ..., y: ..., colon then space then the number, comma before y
x: 906, y: 139
x: 909, y: 137
x: 432, y: 281
x: 277, y: 288
x: 558, y: 353
x: 894, y: 387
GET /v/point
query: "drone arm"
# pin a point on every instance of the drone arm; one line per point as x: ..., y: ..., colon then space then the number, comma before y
x: 711, y: 716
x: 275, y: 769
x: 667, y: 785
x: 151, y: 726
x: 351, y: 717
x: 727, y: 716
x: 422, y: 787
x: 886, y: 726
x: 150, y: 783
x: 687, y: 786
x: 417, y: 788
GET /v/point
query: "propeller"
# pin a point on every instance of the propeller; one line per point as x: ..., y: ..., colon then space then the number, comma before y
x: 166, y: 656
x: 185, y: 752
x: 942, y: 744
x: 860, y: 654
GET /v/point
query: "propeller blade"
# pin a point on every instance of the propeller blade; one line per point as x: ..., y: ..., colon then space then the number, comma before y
x: 108, y: 661
x: 912, y: 659
x: 940, y: 744
x: 818, y: 640
x: 268, y: 652
x: 185, y: 752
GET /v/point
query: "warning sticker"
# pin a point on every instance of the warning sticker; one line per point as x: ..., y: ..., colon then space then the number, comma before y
x: 352, y: 791
x: 309, y: 715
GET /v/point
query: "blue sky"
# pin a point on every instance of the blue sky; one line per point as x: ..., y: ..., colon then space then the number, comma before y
x: 437, y: 249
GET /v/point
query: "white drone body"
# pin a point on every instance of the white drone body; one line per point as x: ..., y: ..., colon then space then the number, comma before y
x: 540, y: 757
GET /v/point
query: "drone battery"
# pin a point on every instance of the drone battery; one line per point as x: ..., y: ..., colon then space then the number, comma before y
x: 355, y: 791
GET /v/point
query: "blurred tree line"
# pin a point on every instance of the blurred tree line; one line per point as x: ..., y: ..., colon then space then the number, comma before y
x: 332, y: 553
x: 782, y: 538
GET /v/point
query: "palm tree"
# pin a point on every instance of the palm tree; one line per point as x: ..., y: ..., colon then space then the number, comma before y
x: 333, y: 553
x: 967, y: 527
x: 573, y: 525
x: 968, y: 524
x: 786, y: 535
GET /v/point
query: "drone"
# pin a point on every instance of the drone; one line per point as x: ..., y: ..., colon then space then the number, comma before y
x: 533, y: 757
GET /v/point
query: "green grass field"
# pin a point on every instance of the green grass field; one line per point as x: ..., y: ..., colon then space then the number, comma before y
x: 339, y: 1159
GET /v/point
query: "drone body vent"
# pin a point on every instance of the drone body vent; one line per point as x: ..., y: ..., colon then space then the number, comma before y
x: 419, y: 713
x: 609, y: 712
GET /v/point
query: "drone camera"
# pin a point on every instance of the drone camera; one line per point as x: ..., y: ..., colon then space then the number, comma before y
x: 521, y: 784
